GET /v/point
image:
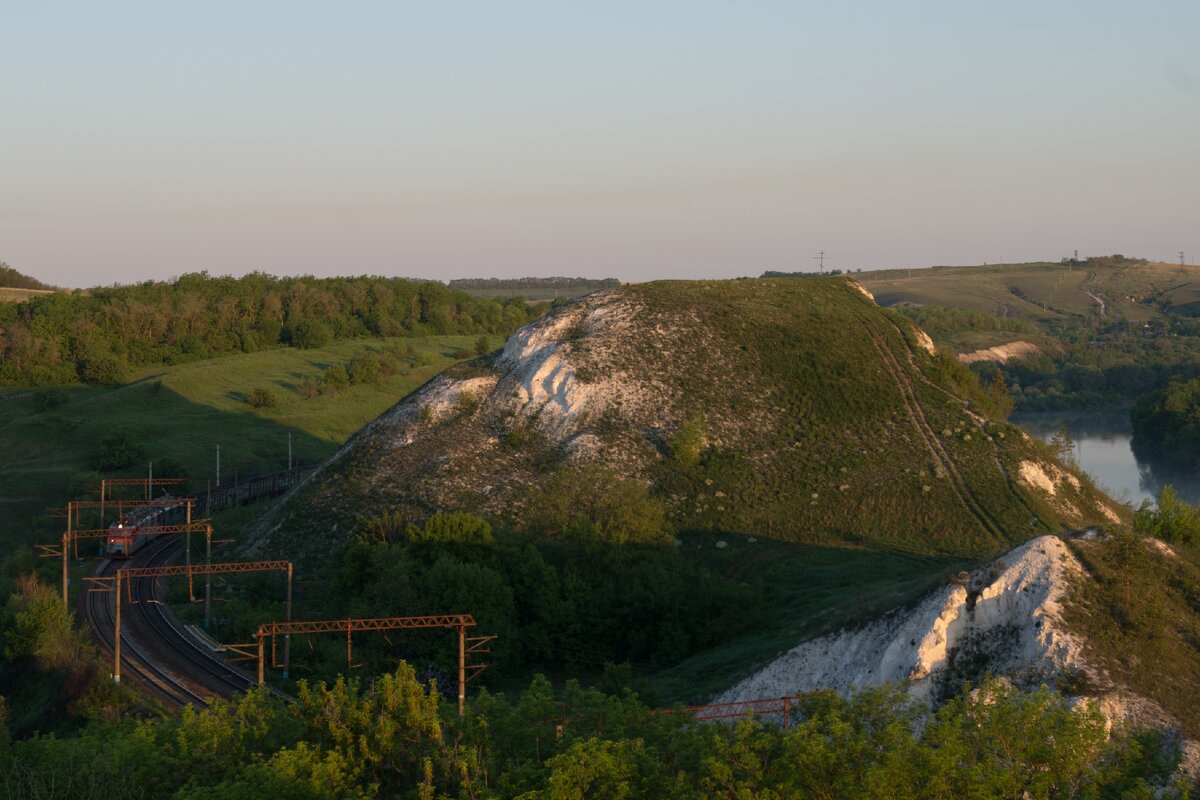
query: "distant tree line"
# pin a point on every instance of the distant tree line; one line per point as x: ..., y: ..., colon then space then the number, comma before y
x: 98, y: 335
x: 11, y: 279
x: 827, y: 273
x: 534, y: 283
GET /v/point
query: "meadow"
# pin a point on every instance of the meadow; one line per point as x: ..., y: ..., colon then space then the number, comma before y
x: 183, y: 413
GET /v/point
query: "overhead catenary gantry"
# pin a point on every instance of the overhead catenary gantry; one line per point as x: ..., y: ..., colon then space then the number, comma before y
x: 466, y: 645
x: 71, y: 538
x: 115, y: 583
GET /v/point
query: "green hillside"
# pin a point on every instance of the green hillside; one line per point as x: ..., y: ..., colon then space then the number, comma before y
x: 1106, y: 330
x: 52, y: 436
x: 814, y: 416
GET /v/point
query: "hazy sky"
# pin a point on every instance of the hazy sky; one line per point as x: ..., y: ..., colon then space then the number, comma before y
x: 628, y: 139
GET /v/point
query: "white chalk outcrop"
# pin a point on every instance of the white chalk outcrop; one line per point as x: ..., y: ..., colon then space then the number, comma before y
x: 1006, y: 616
x: 1001, y: 353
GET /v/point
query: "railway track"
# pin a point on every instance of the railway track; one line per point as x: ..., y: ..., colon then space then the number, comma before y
x: 155, y: 653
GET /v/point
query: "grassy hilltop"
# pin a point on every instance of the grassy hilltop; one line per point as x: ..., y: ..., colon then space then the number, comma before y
x: 797, y: 410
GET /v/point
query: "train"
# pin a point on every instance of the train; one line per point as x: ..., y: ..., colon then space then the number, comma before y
x: 125, y: 537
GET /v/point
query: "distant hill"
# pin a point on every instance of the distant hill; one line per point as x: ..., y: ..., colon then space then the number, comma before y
x: 1093, y: 332
x: 554, y: 288
x: 12, y: 279
x: 798, y: 410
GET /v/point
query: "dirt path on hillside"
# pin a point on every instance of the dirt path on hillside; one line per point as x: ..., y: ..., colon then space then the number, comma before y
x: 942, y: 458
x: 979, y: 421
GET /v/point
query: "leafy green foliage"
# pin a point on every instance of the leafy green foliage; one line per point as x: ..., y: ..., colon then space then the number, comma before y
x: 118, y: 449
x: 617, y: 510
x: 49, y: 399
x: 396, y: 740
x: 571, y: 601
x: 99, y: 335
x: 1166, y: 424
x: 687, y: 443
x: 310, y: 334
x: 1170, y: 519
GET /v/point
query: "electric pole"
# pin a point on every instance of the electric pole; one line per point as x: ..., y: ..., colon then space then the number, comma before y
x: 820, y: 259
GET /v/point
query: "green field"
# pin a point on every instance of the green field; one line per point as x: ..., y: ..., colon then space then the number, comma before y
x: 1043, y: 291
x: 184, y: 412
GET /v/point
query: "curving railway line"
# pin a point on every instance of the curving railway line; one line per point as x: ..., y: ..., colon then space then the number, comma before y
x: 155, y: 653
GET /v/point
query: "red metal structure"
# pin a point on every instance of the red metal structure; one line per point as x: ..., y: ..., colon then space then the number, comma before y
x: 460, y: 622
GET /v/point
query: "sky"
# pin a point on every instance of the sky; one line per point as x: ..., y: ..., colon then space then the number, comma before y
x: 635, y: 140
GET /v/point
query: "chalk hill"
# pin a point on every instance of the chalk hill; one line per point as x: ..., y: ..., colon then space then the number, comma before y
x: 798, y: 410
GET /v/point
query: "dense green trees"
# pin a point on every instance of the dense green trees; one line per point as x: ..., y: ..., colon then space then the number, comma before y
x: 575, y: 600
x: 98, y: 335
x: 396, y: 740
x: 1166, y: 425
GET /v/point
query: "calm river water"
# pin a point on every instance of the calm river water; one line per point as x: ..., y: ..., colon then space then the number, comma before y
x: 1102, y: 448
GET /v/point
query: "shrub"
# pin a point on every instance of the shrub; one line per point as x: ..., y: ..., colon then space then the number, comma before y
x: 459, y: 527
x: 309, y: 388
x: 49, y: 399
x: 482, y: 346
x: 335, y: 377
x: 687, y: 443
x: 105, y: 369
x: 460, y: 353
x: 310, y: 334
x: 261, y: 397
x: 118, y: 450
x: 364, y: 368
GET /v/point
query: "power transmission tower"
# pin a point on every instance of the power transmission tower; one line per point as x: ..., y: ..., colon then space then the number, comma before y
x: 820, y: 259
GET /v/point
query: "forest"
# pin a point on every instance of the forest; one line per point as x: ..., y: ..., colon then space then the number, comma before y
x: 101, y: 335
x: 1166, y: 425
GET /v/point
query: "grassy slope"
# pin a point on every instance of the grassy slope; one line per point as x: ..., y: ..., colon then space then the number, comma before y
x: 1041, y: 292
x: 813, y: 440
x: 817, y: 589
x: 1139, y: 613
x: 182, y: 412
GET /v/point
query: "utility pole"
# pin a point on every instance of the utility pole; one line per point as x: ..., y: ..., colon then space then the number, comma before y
x: 820, y: 259
x: 1181, y: 258
x: 289, y: 451
x: 218, y: 466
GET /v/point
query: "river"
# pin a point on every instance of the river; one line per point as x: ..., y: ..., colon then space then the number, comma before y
x: 1102, y: 448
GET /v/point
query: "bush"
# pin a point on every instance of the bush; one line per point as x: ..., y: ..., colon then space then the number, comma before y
x: 49, y: 399
x: 364, y: 368
x: 262, y: 398
x: 118, y: 450
x: 309, y: 388
x: 458, y: 527
x: 309, y: 334
x: 482, y: 346
x: 104, y: 370
x: 460, y: 353
x: 687, y: 443
x: 335, y: 377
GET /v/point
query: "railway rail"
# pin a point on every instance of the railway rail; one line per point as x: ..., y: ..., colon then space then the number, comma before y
x: 153, y: 659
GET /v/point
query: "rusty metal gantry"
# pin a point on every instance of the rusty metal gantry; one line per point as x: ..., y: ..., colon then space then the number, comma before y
x: 467, y: 645
x: 765, y: 707
x: 147, y: 484
x: 113, y: 583
x: 63, y: 549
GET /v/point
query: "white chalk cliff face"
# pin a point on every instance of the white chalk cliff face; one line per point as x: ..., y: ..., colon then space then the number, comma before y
x: 1007, y: 614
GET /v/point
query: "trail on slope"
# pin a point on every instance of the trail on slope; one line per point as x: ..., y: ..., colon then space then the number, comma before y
x: 1008, y: 478
x: 942, y: 458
